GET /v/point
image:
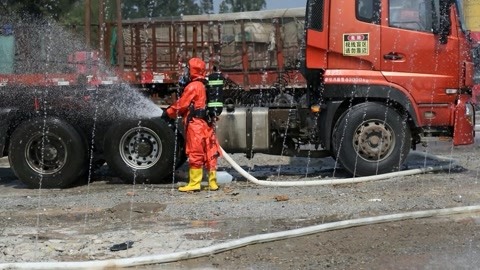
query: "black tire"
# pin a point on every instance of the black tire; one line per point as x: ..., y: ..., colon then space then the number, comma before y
x: 47, y: 153
x: 371, y: 139
x: 181, y: 157
x: 335, y: 135
x: 140, y: 151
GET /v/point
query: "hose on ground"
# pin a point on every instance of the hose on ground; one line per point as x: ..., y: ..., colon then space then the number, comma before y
x: 261, y: 238
x: 242, y: 242
x: 353, y: 180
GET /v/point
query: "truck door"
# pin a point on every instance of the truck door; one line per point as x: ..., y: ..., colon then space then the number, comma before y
x: 354, y: 30
x: 412, y: 55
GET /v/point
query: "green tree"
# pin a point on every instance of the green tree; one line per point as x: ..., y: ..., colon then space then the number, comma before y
x: 206, y: 6
x: 131, y: 9
x: 38, y: 8
x: 241, y: 5
x: 189, y: 7
x: 76, y: 14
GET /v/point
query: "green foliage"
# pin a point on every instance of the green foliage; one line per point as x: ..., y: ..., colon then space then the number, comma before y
x: 75, y: 15
x: 131, y: 9
x: 72, y: 11
x: 227, y: 6
x: 206, y: 6
x: 38, y: 8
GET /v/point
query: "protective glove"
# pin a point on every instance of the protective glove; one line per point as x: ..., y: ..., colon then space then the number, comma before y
x: 170, y: 122
x: 165, y: 116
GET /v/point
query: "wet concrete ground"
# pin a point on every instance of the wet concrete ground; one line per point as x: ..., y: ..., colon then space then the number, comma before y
x: 82, y: 223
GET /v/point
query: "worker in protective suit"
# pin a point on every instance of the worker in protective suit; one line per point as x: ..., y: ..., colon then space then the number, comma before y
x: 202, y: 147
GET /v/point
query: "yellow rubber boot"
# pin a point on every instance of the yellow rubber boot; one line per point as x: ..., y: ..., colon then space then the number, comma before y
x: 212, y: 180
x: 194, y: 179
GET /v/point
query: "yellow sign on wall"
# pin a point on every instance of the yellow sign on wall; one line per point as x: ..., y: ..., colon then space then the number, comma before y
x: 472, y: 14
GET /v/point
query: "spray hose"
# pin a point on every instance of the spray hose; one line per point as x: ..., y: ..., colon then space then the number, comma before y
x: 254, y: 180
x: 261, y: 238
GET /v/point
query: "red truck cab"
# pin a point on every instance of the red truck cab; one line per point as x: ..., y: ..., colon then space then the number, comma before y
x: 407, y: 57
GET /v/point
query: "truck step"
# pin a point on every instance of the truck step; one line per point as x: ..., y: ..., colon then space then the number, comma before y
x: 477, y: 121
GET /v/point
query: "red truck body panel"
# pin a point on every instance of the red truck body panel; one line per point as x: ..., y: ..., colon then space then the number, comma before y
x: 476, y: 94
x: 464, y: 130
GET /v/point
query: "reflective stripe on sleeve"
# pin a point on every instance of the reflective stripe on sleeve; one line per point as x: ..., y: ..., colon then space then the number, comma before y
x: 215, y: 82
x: 215, y: 104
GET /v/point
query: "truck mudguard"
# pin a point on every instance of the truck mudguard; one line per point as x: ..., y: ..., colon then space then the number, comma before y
x: 345, y: 92
x: 336, y: 95
x: 5, y: 116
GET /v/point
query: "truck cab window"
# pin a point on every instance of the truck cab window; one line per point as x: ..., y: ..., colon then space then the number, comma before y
x: 368, y: 11
x: 410, y: 14
x: 314, y: 16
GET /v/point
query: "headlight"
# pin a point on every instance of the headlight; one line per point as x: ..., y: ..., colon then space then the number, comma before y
x: 470, y: 113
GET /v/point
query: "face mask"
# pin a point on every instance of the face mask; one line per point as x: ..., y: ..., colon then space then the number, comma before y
x: 185, y: 77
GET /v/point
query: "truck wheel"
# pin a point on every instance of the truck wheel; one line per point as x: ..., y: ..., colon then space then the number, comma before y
x: 47, y: 153
x: 140, y: 153
x: 372, y: 139
x: 181, y: 155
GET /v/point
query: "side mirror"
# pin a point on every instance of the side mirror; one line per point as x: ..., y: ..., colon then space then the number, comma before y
x: 441, y: 25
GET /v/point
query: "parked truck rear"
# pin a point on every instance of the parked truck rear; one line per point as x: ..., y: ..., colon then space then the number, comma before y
x: 60, y: 113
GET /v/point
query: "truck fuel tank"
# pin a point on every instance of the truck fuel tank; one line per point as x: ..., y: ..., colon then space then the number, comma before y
x: 245, y: 130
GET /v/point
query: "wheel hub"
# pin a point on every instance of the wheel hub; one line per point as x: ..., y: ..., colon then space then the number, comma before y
x: 45, y: 154
x: 50, y: 152
x: 140, y: 148
x: 373, y: 140
x: 143, y: 147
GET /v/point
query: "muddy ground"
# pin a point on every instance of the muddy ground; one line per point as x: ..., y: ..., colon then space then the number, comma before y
x: 82, y: 223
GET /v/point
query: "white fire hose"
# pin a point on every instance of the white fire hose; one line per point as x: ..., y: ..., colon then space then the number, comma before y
x: 254, y: 180
x: 261, y: 238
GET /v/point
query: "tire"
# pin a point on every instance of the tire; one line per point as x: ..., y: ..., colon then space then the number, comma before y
x: 140, y: 151
x: 335, y: 135
x: 181, y: 155
x: 371, y: 139
x: 47, y: 153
